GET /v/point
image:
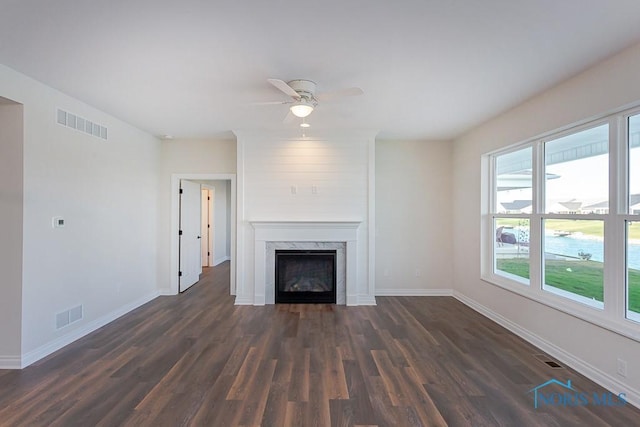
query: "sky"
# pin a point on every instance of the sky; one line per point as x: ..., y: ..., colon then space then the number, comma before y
x: 585, y: 179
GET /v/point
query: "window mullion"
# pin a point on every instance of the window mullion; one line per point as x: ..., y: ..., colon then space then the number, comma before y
x: 614, y: 265
x: 535, y: 252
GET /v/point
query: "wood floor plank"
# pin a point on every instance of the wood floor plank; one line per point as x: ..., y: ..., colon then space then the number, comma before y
x: 196, y: 359
x: 300, y: 376
x: 256, y: 402
x: 276, y: 407
x: 295, y: 414
x: 383, y: 408
x: 319, y: 411
x: 214, y: 405
x: 359, y: 396
x: 240, y: 388
x: 333, y: 376
x: 425, y: 408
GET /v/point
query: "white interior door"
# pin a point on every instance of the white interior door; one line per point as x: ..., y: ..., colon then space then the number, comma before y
x: 190, y: 258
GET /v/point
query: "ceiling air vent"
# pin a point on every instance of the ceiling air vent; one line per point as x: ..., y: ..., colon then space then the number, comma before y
x: 81, y: 124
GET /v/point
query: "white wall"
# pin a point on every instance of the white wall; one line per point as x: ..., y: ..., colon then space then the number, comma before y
x: 413, y: 218
x: 221, y: 224
x: 185, y: 157
x: 605, y: 87
x: 11, y: 201
x: 105, y: 256
x: 269, y: 166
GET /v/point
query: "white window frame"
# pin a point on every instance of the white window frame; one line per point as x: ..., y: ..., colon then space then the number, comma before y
x: 612, y: 314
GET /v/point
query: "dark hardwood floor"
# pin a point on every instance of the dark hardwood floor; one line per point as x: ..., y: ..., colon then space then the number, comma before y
x: 196, y: 359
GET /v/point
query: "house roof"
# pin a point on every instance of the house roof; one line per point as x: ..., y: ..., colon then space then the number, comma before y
x: 571, y: 205
x: 634, y: 199
x: 516, y: 205
x: 429, y: 70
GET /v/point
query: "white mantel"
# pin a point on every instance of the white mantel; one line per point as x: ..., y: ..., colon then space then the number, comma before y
x: 339, y: 235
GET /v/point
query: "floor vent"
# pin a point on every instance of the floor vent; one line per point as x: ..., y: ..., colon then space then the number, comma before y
x: 553, y: 364
x: 81, y: 124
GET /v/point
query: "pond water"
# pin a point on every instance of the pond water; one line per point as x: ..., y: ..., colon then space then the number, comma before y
x: 573, y: 244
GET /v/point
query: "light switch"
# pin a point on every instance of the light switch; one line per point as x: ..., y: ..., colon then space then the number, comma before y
x: 57, y: 222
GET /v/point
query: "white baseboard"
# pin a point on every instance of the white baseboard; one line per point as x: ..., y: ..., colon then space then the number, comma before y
x: 10, y: 362
x: 596, y: 375
x: 243, y: 300
x: 414, y: 292
x: 221, y: 260
x: 55, y: 345
x: 361, y: 300
x: 366, y: 300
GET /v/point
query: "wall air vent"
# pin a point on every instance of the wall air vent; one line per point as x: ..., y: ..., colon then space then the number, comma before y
x: 81, y: 124
x: 68, y: 317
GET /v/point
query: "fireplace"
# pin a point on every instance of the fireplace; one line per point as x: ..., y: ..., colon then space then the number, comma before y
x: 341, y: 236
x: 305, y: 276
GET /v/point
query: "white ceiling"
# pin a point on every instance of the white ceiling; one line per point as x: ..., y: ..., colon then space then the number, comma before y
x: 430, y: 69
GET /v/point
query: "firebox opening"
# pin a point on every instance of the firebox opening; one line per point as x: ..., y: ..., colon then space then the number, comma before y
x: 305, y: 276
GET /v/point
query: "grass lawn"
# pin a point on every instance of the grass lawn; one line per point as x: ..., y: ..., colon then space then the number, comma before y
x: 585, y: 277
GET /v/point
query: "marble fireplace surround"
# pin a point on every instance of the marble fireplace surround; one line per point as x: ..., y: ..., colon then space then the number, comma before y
x: 341, y: 236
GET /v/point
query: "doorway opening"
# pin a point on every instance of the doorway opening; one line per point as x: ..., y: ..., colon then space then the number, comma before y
x: 203, y: 224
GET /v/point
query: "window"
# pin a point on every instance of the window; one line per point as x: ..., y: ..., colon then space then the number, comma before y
x: 511, y: 248
x: 512, y: 205
x: 576, y: 179
x: 577, y: 172
x: 573, y: 260
x: 564, y: 217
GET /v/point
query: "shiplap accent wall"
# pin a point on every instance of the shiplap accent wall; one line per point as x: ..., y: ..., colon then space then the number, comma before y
x: 338, y: 172
x: 312, y: 179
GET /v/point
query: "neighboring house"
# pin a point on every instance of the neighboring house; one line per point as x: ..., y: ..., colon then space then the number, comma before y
x: 517, y: 206
x: 603, y: 207
x: 571, y: 206
x: 565, y: 207
x: 597, y: 208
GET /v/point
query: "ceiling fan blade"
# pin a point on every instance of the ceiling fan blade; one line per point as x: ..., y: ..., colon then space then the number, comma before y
x: 284, y: 87
x: 289, y: 118
x: 269, y: 103
x: 327, y: 96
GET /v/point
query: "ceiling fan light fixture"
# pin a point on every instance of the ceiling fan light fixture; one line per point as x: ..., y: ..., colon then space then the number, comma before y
x: 301, y: 109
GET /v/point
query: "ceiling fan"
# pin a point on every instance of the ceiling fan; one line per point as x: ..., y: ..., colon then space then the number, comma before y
x: 304, y: 97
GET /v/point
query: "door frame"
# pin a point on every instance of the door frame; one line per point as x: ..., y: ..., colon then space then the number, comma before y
x: 208, y: 231
x: 175, y: 224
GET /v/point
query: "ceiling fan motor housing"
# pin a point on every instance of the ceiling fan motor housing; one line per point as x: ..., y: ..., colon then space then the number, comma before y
x: 305, y: 88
